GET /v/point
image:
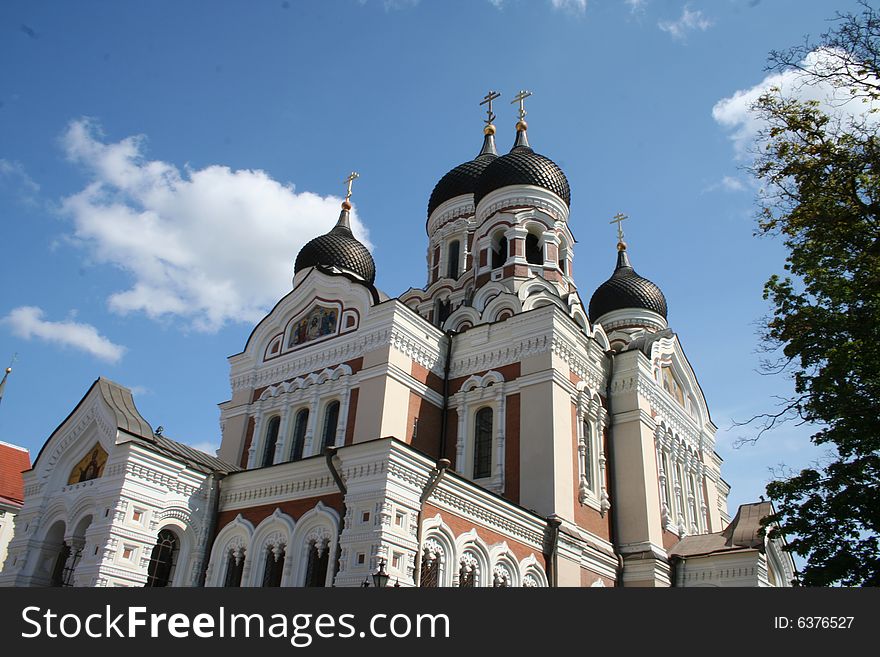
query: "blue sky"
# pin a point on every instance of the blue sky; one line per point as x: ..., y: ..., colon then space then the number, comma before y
x: 162, y: 163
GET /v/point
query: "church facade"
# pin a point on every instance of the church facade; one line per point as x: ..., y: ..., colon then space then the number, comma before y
x: 487, y: 429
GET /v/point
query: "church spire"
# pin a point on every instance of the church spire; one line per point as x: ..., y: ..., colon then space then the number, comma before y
x: 489, y: 130
x: 522, y: 139
x: 344, y: 220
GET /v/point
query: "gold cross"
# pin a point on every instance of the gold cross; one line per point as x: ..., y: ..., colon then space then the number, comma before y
x: 618, y: 218
x: 520, y: 98
x: 354, y: 175
x: 488, y: 98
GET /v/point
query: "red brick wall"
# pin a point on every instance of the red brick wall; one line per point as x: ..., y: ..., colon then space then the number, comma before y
x: 352, y: 415
x: 294, y: 508
x: 426, y: 376
x: 428, y: 435
x: 248, y: 439
x: 509, y: 372
x: 459, y: 526
x: 511, y: 448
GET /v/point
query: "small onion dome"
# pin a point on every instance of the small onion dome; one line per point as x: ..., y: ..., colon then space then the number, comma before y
x: 626, y: 289
x: 523, y: 166
x: 338, y: 249
x: 463, y: 178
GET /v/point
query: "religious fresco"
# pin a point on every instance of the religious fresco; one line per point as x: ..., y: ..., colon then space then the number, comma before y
x: 316, y: 324
x: 90, y: 467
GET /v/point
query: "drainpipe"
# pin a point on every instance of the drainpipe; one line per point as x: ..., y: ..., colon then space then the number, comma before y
x: 329, y: 453
x: 445, y: 410
x: 552, y: 554
x: 433, y: 481
x: 214, y: 505
x: 612, y: 477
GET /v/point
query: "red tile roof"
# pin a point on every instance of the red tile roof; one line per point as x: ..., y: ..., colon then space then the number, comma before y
x: 13, y: 461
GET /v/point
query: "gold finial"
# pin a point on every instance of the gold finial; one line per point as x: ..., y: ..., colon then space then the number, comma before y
x: 618, y: 219
x: 490, y: 115
x: 354, y: 175
x: 520, y: 98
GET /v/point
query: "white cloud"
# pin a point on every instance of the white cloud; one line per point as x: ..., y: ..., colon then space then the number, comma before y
x: 13, y: 173
x: 209, y: 246
x: 574, y: 6
x: 689, y: 21
x: 636, y: 6
x: 498, y: 4
x: 26, y: 322
x: 727, y: 184
x: 734, y: 113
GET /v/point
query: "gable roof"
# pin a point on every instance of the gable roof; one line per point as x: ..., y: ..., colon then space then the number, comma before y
x: 13, y: 461
x: 743, y: 533
x: 129, y: 421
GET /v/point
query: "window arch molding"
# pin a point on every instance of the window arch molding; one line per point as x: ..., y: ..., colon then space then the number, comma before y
x: 533, y: 574
x: 439, y: 541
x: 273, y: 532
x: 321, y: 523
x: 472, y: 556
x: 236, y: 535
x: 592, y: 419
x: 478, y: 393
x: 504, y: 562
x: 313, y: 391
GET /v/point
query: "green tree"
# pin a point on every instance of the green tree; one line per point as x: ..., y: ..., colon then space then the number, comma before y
x: 820, y: 175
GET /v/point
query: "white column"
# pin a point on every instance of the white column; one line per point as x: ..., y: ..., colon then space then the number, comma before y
x: 256, y: 439
x: 281, y: 443
x: 462, y: 435
x: 342, y: 422
x: 499, y: 460
x: 313, y: 424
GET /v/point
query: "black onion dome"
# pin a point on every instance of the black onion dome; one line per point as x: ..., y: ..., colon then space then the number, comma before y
x: 626, y: 289
x: 463, y: 178
x: 340, y: 249
x: 523, y: 166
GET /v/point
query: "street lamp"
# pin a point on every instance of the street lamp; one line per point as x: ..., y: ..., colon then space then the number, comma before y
x: 380, y: 577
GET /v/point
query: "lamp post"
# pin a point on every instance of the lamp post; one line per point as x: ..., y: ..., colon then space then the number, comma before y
x: 380, y: 577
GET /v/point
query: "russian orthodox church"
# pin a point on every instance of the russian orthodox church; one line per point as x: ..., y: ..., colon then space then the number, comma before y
x: 489, y: 429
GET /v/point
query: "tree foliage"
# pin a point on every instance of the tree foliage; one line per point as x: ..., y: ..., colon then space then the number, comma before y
x: 820, y: 171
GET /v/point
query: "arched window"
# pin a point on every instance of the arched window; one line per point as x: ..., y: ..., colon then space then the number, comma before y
x: 331, y: 419
x: 442, y: 311
x: 499, y: 252
x: 501, y: 577
x: 468, y: 570
x: 534, y: 252
x: 61, y: 571
x: 162, y: 560
x: 430, y: 578
x: 316, y: 567
x: 300, y: 425
x: 588, y: 455
x: 483, y: 443
x: 452, y: 259
x: 274, y: 566
x: 234, y: 568
x: 271, y: 441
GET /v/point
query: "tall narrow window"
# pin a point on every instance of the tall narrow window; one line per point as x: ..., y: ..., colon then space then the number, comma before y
x: 331, y: 419
x: 271, y: 441
x: 499, y: 253
x: 442, y: 311
x: 483, y: 443
x: 316, y: 568
x: 467, y: 572
x: 430, y: 578
x: 300, y: 426
x: 452, y: 259
x: 234, y: 569
x: 588, y: 454
x: 162, y: 560
x: 534, y: 252
x: 274, y: 566
x: 58, y: 573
